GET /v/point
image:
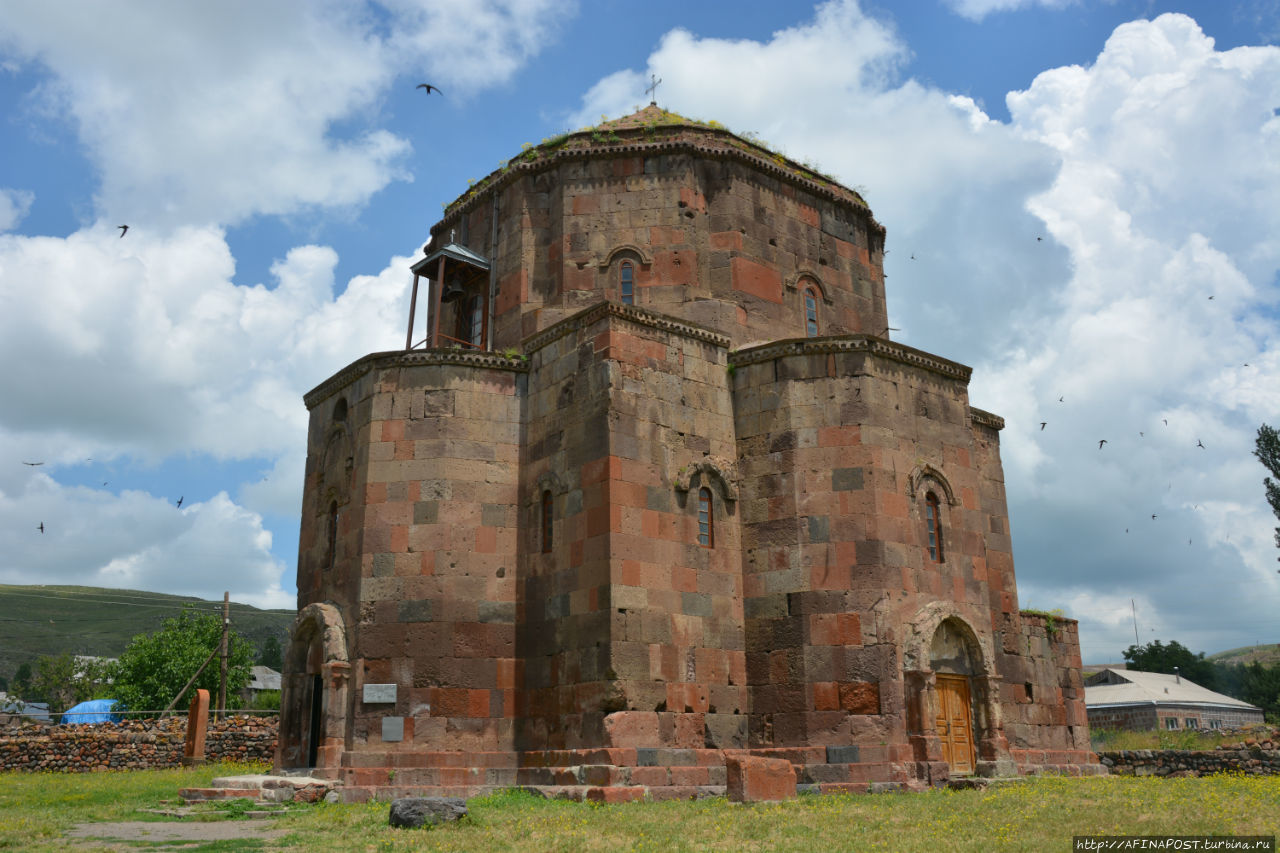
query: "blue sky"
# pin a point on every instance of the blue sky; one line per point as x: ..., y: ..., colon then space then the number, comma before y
x: 1064, y: 185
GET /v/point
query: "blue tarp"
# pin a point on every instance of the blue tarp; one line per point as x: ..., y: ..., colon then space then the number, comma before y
x: 93, y: 711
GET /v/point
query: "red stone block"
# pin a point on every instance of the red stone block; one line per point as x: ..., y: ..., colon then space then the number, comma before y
x: 632, y: 728
x: 860, y: 697
x: 753, y: 780
x: 756, y: 279
x: 848, y: 629
x: 826, y: 696
x: 690, y: 776
x: 726, y: 240
x: 615, y: 795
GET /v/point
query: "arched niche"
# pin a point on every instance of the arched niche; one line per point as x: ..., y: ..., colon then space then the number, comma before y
x: 313, y: 700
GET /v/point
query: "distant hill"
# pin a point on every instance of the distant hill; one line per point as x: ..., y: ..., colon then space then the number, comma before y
x: 1267, y: 653
x: 86, y: 620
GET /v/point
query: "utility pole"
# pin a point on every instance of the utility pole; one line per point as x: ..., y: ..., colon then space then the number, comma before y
x: 222, y: 653
x: 1136, y: 641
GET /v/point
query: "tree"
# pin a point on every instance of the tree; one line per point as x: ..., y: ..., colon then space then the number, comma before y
x: 156, y: 666
x: 1267, y: 449
x: 63, y: 680
x: 271, y: 654
x: 22, y: 681
x: 1157, y: 657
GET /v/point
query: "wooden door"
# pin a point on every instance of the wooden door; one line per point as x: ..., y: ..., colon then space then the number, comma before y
x: 955, y: 722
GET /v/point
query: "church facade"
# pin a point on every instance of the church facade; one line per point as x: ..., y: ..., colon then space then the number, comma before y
x: 653, y: 487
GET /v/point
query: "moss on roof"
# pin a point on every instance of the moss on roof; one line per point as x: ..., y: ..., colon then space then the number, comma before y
x: 655, y: 126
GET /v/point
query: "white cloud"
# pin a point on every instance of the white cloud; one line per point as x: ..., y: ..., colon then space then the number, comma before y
x: 464, y: 45
x: 211, y: 113
x: 154, y: 351
x: 976, y: 10
x: 136, y: 541
x: 14, y: 205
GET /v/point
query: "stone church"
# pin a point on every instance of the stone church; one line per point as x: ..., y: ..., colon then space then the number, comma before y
x: 651, y: 487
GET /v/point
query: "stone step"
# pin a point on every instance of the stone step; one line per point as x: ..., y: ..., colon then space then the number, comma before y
x: 264, y: 788
x: 197, y: 795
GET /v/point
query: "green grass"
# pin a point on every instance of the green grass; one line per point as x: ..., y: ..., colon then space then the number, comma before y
x: 1036, y: 814
x: 1107, y: 740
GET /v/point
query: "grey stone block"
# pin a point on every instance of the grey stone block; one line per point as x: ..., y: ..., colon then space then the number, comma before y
x: 426, y: 811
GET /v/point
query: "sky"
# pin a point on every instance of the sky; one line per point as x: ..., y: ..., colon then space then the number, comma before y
x: 1082, y: 202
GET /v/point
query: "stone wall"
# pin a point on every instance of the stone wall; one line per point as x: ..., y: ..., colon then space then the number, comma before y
x: 133, y: 745
x: 1255, y: 759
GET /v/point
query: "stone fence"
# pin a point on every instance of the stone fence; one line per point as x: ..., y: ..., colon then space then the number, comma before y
x: 133, y: 745
x: 1255, y: 758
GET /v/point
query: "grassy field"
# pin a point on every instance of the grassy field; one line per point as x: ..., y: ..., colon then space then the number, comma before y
x: 85, y: 620
x: 1104, y: 740
x: 38, y: 810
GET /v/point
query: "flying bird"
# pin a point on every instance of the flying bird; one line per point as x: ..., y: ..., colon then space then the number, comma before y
x: 1059, y: 399
x: 1141, y: 434
x: 1153, y: 516
x: 1200, y: 444
x: 430, y: 89
x: 124, y: 229
x: 1166, y: 421
x: 1101, y: 442
x: 180, y: 501
x: 33, y: 464
x: 1042, y: 425
x: 1210, y: 297
x: 1038, y: 239
x: 913, y: 257
x: 41, y: 527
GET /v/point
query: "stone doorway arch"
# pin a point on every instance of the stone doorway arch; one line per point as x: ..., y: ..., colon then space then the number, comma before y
x: 953, y: 698
x: 313, y: 701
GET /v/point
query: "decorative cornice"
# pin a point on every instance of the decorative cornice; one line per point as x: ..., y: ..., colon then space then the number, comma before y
x: 712, y: 142
x: 412, y: 358
x: 631, y: 313
x: 986, y: 419
x: 869, y: 344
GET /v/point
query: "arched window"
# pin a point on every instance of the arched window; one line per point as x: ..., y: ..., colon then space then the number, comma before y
x: 811, y: 311
x: 331, y: 556
x: 933, y: 524
x: 706, y: 521
x: 546, y: 522
x: 627, y: 282
x: 473, y: 321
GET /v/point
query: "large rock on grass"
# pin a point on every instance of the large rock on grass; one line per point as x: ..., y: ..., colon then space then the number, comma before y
x: 420, y: 811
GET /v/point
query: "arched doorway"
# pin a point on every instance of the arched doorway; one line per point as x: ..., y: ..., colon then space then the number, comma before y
x: 955, y: 660
x: 313, y: 704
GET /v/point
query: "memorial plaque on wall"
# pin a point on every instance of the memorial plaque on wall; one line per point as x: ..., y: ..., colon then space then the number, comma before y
x: 376, y: 693
x: 392, y: 729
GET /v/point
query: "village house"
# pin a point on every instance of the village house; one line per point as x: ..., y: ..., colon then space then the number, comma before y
x: 1128, y: 699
